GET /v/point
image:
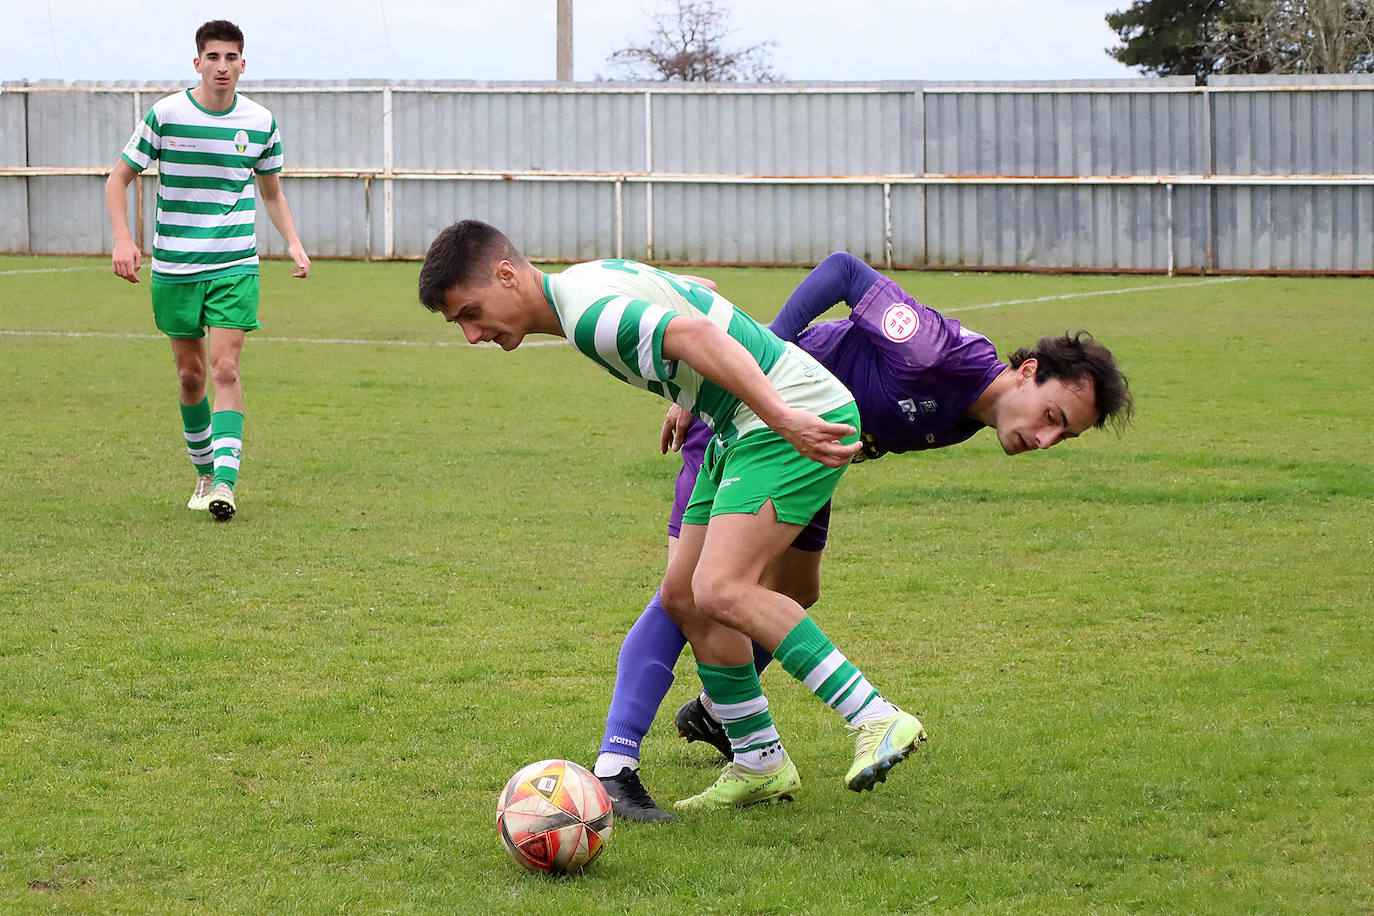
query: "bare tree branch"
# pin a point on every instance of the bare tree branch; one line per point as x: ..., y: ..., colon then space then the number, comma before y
x: 687, y: 43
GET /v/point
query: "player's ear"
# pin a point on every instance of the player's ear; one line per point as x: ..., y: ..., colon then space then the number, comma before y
x: 1026, y: 370
x: 505, y: 273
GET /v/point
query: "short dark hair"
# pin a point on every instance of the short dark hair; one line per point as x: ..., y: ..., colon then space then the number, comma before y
x: 462, y: 255
x: 1078, y: 357
x: 218, y: 30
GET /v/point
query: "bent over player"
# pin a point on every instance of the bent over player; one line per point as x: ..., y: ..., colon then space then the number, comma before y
x: 210, y: 143
x: 920, y: 381
x: 783, y: 431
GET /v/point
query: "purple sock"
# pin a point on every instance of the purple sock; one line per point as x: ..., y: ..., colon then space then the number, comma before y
x: 643, y: 675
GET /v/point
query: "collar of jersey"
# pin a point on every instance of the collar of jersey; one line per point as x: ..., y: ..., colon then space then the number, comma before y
x: 548, y: 296
x: 213, y: 114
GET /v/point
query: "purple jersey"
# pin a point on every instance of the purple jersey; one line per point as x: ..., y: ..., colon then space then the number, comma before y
x: 912, y: 371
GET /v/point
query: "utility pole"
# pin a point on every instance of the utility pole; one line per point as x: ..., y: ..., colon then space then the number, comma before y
x: 565, y: 70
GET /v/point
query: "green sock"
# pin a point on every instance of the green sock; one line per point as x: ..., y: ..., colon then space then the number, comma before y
x: 227, y: 442
x: 809, y: 656
x: 195, y: 419
x: 739, y: 703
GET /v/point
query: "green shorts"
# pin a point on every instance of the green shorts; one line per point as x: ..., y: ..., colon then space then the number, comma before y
x: 186, y: 309
x: 762, y: 466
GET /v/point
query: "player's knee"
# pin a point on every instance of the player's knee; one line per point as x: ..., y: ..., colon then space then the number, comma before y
x: 718, y: 597
x: 676, y: 598
x: 225, y: 373
x: 191, y: 377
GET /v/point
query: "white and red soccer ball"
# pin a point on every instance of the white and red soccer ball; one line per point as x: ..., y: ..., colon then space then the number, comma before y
x: 554, y: 816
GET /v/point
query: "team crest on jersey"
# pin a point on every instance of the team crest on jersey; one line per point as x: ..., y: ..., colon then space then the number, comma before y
x: 900, y: 322
x: 241, y: 141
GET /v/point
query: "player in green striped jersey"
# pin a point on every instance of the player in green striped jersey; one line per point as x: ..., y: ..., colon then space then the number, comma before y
x: 210, y: 144
x: 785, y: 429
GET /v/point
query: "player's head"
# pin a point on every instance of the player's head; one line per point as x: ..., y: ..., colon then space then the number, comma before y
x: 471, y: 276
x: 219, y: 55
x: 1062, y: 387
x: 218, y: 30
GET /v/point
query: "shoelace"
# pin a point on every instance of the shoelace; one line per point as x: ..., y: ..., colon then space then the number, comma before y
x: 629, y: 788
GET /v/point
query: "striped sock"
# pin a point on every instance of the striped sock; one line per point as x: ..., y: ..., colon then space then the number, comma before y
x: 743, y: 710
x: 195, y: 420
x: 810, y: 657
x: 227, y: 442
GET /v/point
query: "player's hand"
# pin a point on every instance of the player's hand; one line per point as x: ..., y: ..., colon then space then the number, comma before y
x: 704, y: 281
x: 675, y: 426
x: 127, y: 260
x: 302, y: 268
x: 819, y: 439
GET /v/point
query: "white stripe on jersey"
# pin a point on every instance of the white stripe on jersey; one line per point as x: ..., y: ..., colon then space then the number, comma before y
x: 198, y: 246
x: 647, y: 322
x: 205, y: 220
x: 607, y: 332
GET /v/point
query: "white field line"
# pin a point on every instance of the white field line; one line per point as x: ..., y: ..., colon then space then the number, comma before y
x: 100, y: 335
x: 48, y: 270
x: 1099, y: 292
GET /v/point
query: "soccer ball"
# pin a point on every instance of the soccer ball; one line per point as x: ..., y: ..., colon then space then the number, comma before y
x: 554, y: 816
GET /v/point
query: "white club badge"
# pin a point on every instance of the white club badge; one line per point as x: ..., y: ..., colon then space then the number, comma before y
x: 900, y: 322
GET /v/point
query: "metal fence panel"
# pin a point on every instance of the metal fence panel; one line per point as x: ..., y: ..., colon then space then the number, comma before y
x: 14, y: 215
x: 79, y: 128
x: 13, y: 130
x: 1073, y: 227
x: 1293, y: 133
x: 326, y: 130
x: 784, y: 133
x: 1295, y: 229
x: 548, y: 220
x: 497, y: 131
x: 67, y: 216
x: 987, y: 132
x: 766, y: 224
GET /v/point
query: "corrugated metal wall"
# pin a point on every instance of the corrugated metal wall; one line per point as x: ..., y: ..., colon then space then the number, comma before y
x: 1147, y: 175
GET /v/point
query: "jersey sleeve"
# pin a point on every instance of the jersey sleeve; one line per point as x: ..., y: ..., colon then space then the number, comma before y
x: 145, y: 142
x: 271, y: 159
x: 625, y: 336
x: 841, y: 277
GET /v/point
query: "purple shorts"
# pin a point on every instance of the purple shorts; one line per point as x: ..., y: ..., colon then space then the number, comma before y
x: 812, y: 537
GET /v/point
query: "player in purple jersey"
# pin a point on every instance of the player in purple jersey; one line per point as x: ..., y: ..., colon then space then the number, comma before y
x: 921, y: 381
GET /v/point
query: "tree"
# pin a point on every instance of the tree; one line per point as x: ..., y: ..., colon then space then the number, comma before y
x: 1173, y: 37
x: 687, y: 43
x: 1202, y: 37
x: 1301, y: 36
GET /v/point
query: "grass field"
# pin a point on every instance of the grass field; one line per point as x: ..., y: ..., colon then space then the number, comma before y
x: 1146, y: 663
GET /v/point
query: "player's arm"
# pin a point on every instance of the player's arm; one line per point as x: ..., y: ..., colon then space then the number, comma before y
x: 127, y: 259
x: 274, y: 199
x: 722, y: 359
x: 841, y: 277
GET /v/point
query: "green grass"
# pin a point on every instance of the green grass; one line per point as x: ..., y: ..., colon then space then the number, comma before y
x: 1146, y: 662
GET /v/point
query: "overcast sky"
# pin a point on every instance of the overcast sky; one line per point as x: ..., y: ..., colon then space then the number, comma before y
x: 514, y: 39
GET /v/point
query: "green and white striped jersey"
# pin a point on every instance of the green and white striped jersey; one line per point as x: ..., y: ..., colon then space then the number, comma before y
x: 616, y: 311
x: 205, y: 197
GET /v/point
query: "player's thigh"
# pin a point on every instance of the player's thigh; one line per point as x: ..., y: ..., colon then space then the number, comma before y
x: 676, y: 591
x: 232, y: 302
x: 224, y: 345
x: 738, y: 548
